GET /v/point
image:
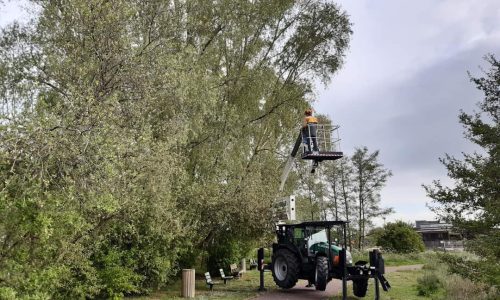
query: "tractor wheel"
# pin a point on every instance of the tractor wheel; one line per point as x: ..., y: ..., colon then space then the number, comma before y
x: 321, y: 273
x: 285, y: 268
x: 359, y: 287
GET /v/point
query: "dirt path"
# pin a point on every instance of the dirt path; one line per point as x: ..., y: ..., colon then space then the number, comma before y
x: 300, y: 292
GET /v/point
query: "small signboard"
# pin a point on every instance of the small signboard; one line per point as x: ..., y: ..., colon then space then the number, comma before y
x: 284, y: 208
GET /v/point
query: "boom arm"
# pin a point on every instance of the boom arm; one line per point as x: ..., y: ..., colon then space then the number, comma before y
x: 289, y: 162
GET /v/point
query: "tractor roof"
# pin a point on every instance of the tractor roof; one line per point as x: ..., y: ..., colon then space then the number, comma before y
x: 316, y: 224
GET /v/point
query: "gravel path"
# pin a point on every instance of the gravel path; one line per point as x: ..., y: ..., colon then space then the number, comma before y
x: 300, y: 292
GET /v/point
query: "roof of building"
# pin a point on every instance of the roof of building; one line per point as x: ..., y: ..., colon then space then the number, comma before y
x: 432, y: 226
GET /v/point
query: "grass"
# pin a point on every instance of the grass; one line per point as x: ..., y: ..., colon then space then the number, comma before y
x: 396, y: 259
x: 237, y: 289
x: 404, y: 287
x: 404, y: 283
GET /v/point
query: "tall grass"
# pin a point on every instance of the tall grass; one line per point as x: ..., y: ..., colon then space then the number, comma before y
x: 395, y: 259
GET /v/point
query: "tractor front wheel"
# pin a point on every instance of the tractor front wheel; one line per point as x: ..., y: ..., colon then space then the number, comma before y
x: 321, y: 273
x: 359, y: 287
x: 285, y: 268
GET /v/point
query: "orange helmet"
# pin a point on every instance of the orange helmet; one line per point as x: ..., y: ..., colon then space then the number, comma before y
x: 308, y: 112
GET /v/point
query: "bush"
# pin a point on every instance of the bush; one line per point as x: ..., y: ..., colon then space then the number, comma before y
x: 473, y: 268
x: 373, y: 236
x: 224, y: 252
x: 427, y: 284
x: 400, y: 237
x: 458, y: 288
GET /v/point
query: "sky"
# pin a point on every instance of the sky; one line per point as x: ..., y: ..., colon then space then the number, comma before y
x: 402, y: 87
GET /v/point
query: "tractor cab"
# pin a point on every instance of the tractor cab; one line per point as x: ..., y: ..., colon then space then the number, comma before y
x: 311, y: 239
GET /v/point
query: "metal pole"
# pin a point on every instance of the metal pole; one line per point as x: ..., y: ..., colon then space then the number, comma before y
x: 309, y: 137
x: 329, y: 250
x: 261, y: 287
x: 344, y: 271
x: 377, y: 290
x: 325, y: 146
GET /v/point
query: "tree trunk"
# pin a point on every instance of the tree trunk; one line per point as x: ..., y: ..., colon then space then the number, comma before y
x: 346, y: 203
x: 360, y: 199
x: 311, y: 205
x: 334, y: 187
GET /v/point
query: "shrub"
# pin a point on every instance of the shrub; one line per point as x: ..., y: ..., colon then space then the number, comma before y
x: 473, y: 268
x: 458, y: 288
x: 427, y: 284
x: 373, y: 236
x: 400, y: 237
x: 224, y: 252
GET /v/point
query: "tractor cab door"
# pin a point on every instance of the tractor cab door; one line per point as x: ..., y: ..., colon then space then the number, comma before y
x: 300, y: 240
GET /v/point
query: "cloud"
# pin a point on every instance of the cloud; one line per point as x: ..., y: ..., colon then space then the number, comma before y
x: 404, y: 84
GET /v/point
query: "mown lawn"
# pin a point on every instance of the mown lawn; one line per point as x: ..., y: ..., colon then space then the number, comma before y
x: 237, y: 289
x: 403, y: 284
x: 404, y: 287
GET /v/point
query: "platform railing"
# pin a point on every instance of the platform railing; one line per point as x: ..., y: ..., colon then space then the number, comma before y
x: 325, y: 136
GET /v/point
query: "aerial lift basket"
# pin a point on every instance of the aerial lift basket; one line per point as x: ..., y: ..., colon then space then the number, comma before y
x: 324, y: 138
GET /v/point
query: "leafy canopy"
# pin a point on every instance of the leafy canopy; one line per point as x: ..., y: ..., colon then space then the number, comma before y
x: 137, y: 136
x: 473, y: 202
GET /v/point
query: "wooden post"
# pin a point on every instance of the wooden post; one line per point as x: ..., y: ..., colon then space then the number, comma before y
x: 188, y: 283
x: 243, y: 268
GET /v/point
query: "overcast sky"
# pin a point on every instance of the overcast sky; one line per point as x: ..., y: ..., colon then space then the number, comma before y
x: 403, y: 85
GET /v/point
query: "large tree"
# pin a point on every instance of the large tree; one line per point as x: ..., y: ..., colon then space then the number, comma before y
x: 137, y: 134
x: 472, y: 203
x: 369, y: 177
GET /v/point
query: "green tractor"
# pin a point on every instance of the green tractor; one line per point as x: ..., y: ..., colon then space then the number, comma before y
x: 305, y: 251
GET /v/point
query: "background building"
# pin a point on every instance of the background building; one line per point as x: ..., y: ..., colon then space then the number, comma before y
x: 439, y: 235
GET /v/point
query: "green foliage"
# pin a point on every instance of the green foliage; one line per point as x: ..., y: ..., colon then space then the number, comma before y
x: 224, y: 252
x: 476, y: 270
x: 459, y: 288
x: 137, y: 133
x: 472, y: 203
x: 7, y: 293
x: 369, y: 177
x: 400, y: 237
x: 428, y: 284
x: 373, y: 236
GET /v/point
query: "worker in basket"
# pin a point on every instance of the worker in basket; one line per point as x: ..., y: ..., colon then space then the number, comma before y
x: 309, y: 130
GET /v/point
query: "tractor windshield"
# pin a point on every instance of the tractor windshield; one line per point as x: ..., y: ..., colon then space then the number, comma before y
x: 317, y: 241
x: 317, y: 236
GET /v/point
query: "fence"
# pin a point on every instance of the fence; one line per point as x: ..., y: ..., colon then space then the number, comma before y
x: 445, y: 245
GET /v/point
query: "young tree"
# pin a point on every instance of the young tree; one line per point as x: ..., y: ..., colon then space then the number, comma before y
x: 472, y: 204
x: 338, y: 176
x: 369, y: 177
x: 400, y: 237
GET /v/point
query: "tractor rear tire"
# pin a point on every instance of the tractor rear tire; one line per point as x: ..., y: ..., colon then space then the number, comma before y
x: 321, y: 273
x: 359, y: 287
x: 285, y: 269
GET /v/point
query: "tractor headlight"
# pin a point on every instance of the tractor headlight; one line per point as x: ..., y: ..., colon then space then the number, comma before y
x: 348, y: 257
